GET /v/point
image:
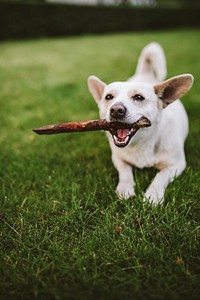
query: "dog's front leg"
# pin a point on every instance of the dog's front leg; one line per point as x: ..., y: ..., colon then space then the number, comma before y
x: 125, y: 188
x: 156, y: 190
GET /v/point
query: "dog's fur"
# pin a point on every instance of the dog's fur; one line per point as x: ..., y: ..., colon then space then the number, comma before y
x: 162, y: 144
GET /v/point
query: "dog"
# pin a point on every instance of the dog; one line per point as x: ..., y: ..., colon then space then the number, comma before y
x: 162, y: 144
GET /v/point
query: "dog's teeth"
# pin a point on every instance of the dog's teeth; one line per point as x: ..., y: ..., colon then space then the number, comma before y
x: 123, y: 136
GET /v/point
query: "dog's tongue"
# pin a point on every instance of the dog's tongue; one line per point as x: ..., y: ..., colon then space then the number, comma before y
x: 122, y: 133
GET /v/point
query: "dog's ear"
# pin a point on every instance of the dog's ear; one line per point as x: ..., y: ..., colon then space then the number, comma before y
x: 172, y: 89
x: 96, y: 87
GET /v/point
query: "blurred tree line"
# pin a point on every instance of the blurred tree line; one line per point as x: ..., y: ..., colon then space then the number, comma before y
x: 178, y: 3
x: 27, y: 19
x: 155, y: 3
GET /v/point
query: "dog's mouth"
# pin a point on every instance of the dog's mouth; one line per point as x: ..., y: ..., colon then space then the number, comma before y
x: 122, y: 137
x: 122, y: 132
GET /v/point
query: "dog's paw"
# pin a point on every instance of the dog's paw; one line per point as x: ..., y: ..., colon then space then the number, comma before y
x: 125, y: 191
x: 154, y: 196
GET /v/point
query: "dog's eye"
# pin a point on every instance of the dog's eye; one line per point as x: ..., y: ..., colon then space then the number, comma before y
x: 109, y: 97
x: 138, y: 97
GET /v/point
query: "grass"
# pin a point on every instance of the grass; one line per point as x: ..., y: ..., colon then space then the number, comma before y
x: 59, y: 211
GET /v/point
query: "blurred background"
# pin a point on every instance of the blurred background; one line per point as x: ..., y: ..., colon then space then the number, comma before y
x: 57, y: 18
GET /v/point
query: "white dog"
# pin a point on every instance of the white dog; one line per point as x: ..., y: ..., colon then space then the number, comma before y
x: 162, y: 144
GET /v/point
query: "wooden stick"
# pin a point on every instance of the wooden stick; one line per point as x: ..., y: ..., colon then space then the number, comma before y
x: 91, y: 125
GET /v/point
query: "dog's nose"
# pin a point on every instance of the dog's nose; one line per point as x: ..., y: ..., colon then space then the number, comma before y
x: 118, y: 111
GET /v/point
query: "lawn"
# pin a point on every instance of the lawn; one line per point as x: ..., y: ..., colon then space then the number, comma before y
x: 59, y: 211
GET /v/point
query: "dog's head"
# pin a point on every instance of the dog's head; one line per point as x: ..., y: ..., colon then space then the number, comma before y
x: 129, y: 101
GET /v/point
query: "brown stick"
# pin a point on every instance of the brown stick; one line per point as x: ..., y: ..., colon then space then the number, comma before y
x: 91, y: 126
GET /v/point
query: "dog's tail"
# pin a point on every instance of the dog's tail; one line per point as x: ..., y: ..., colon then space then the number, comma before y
x: 152, y: 60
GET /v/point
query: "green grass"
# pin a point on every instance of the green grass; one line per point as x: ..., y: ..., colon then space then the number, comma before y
x: 59, y: 211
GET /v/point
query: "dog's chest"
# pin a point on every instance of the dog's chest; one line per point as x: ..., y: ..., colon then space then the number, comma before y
x: 141, y: 157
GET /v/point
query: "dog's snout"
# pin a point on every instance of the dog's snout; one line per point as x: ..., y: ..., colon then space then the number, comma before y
x: 118, y: 111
